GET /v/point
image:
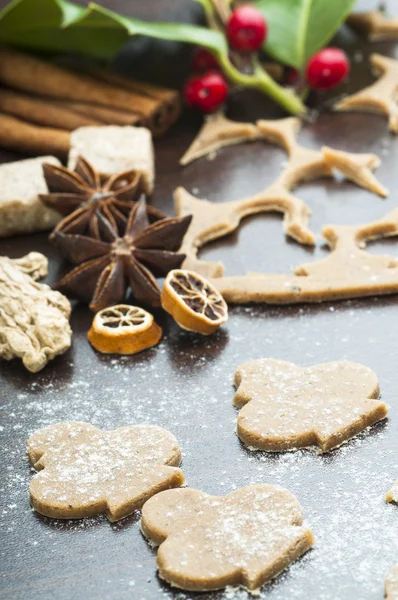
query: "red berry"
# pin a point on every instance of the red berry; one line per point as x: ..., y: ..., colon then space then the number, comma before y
x: 206, y: 92
x: 203, y: 60
x: 327, y: 68
x: 246, y: 29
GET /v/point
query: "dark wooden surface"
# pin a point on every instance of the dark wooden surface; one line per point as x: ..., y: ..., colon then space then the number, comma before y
x: 185, y: 383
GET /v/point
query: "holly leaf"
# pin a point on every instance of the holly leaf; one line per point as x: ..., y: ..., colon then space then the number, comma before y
x: 299, y: 28
x: 58, y: 25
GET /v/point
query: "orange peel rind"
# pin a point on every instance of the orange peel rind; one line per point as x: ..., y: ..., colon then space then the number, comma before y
x: 123, y: 329
x: 193, y: 302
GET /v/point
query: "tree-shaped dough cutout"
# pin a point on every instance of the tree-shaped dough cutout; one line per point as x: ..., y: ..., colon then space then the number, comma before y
x: 286, y: 407
x: 209, y: 542
x: 84, y: 471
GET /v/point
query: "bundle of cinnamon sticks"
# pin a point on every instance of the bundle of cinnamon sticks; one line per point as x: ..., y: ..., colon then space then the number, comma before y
x: 40, y: 103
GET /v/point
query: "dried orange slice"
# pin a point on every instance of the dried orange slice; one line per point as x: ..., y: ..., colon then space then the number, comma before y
x: 123, y: 329
x: 193, y: 302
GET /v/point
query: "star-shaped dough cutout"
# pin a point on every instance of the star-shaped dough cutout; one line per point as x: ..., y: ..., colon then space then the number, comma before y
x: 381, y: 96
x: 209, y: 542
x: 286, y: 407
x: 84, y: 471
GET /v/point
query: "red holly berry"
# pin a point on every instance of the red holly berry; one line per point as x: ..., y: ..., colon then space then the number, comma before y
x: 246, y: 29
x: 327, y: 68
x: 206, y: 92
x: 203, y: 60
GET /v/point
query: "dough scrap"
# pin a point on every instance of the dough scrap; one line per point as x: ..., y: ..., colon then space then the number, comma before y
x: 286, y: 407
x: 374, y: 25
x: 381, y: 96
x: 34, y: 319
x: 392, y: 494
x: 211, y: 221
x: 84, y: 471
x: 209, y: 542
x: 349, y: 271
x: 218, y: 132
x: 391, y: 584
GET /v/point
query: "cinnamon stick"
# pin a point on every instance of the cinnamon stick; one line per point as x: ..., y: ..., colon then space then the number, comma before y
x: 30, y: 139
x: 42, y: 111
x: 103, y: 114
x: 29, y: 74
x: 169, y: 101
x: 157, y: 92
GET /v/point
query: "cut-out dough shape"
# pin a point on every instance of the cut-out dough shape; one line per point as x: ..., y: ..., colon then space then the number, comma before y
x: 214, y: 220
x: 391, y: 584
x: 285, y: 407
x: 84, y: 471
x: 218, y: 132
x: 374, y: 25
x: 209, y: 542
x: 381, y: 96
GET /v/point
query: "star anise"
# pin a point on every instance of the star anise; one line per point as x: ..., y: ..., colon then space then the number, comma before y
x: 108, y: 265
x: 83, y: 193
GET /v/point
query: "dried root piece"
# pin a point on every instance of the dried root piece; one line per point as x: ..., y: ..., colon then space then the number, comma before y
x: 391, y: 584
x: 34, y: 320
x: 211, y: 221
x: 209, y: 542
x: 374, y: 25
x: 193, y: 302
x: 357, y: 168
x: 380, y: 97
x: 348, y: 272
x: 123, y: 329
x: 216, y: 133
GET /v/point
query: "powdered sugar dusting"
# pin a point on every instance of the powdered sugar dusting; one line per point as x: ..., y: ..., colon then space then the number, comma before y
x: 184, y: 385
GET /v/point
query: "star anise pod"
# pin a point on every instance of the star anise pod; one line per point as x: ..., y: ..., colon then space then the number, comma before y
x: 83, y: 193
x: 107, y: 266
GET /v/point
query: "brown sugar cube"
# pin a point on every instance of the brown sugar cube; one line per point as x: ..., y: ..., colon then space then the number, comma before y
x: 21, y: 210
x: 112, y: 149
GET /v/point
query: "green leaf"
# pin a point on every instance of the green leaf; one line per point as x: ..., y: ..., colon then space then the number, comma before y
x: 58, y: 25
x: 299, y: 28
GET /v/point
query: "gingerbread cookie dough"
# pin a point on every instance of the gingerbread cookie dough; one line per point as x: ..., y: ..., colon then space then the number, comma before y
x: 84, y: 471
x: 391, y: 584
x: 380, y: 97
x: 285, y: 407
x: 214, y: 220
x: 21, y: 210
x: 209, y: 542
x: 34, y: 319
x: 349, y: 271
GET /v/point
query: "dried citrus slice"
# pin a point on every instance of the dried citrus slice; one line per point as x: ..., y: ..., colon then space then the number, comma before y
x: 193, y: 302
x: 123, y: 329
